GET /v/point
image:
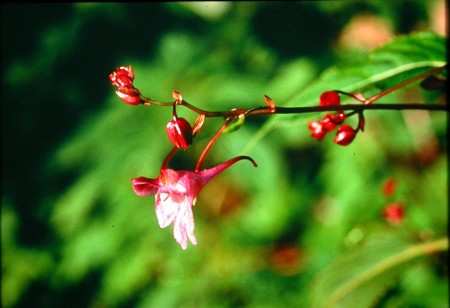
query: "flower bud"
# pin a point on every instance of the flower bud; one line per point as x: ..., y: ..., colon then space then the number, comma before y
x: 198, y: 124
x: 177, y: 96
x: 317, y: 130
x: 329, y: 98
x: 328, y: 123
x: 344, y: 135
x: 130, y: 96
x: 394, y: 213
x: 389, y: 187
x: 338, y: 118
x: 361, y: 122
x: 179, y: 132
x: 122, y: 76
x: 269, y: 102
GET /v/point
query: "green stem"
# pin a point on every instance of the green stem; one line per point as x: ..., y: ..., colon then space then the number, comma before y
x: 385, y: 265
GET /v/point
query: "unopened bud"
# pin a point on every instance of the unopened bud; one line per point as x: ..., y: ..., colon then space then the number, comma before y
x: 179, y: 132
x: 198, y: 124
x: 122, y: 76
x: 317, y: 130
x: 329, y: 98
x: 270, y: 103
x: 328, y: 123
x: 394, y: 213
x: 344, y: 135
x: 131, y: 96
x: 389, y: 187
x: 177, y: 96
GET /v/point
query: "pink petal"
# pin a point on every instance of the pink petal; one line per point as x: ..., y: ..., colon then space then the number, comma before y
x: 143, y: 186
x: 206, y: 175
x: 175, y: 194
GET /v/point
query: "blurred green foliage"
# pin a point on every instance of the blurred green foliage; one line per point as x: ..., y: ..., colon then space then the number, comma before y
x: 303, y: 229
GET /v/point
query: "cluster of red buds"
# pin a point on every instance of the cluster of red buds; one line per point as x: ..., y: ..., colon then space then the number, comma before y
x: 123, y: 78
x: 345, y: 134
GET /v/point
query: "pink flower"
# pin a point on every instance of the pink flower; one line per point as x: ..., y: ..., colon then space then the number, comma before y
x: 175, y: 194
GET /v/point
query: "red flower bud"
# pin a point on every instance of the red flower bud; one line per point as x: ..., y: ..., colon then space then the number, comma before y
x: 361, y: 122
x: 394, y: 213
x: 338, y: 118
x: 389, y: 187
x: 317, y: 130
x: 122, y: 76
x: 344, y: 135
x: 330, y: 98
x: 180, y: 133
x: 130, y: 96
x: 328, y: 123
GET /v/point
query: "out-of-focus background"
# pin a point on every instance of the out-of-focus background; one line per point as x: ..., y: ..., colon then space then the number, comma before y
x: 73, y: 232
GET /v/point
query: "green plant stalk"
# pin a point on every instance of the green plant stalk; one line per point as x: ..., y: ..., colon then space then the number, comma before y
x: 385, y: 265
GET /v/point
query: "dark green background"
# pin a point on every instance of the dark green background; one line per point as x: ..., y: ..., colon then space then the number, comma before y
x: 73, y: 232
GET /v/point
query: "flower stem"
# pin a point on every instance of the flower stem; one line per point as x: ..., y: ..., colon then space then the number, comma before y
x: 169, y: 156
x: 267, y: 110
x: 404, y: 83
x: 211, y: 142
x: 264, y: 110
x: 357, y: 108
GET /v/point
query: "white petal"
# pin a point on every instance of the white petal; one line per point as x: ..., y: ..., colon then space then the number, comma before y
x: 166, y: 209
x: 184, y: 225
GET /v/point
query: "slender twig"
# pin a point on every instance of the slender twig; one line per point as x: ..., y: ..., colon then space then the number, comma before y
x: 367, y: 103
x: 211, y: 142
x: 264, y: 110
x: 355, y: 107
x: 169, y: 156
x: 404, y: 83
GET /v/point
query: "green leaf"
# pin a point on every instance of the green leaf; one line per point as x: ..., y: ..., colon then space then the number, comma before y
x: 360, y: 276
x: 401, y: 58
